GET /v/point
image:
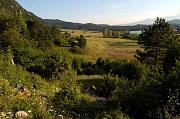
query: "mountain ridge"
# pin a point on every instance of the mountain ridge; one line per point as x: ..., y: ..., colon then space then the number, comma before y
x: 171, y: 20
x: 12, y: 6
x: 90, y: 26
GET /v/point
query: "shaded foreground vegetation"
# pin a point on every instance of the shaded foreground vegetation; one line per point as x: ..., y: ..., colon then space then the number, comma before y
x: 40, y: 78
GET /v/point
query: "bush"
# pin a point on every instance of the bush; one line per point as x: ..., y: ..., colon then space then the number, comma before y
x: 108, y: 86
x: 130, y: 36
x: 81, y: 41
x: 114, y: 114
x: 76, y: 64
x: 68, y: 95
x: 132, y: 70
x: 142, y: 100
x: 77, y: 49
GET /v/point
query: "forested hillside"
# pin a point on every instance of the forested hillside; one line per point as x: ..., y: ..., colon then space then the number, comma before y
x: 44, y: 73
x: 30, y: 59
x: 13, y: 7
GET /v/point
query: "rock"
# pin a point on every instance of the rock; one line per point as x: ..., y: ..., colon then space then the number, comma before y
x: 2, y: 114
x: 10, y: 114
x: 21, y: 114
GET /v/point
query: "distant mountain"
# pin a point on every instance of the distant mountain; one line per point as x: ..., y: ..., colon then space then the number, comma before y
x: 145, y: 22
x: 150, y: 21
x: 91, y: 26
x: 175, y: 22
x: 99, y: 27
x: 71, y: 25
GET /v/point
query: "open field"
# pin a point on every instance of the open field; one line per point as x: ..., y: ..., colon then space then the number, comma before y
x: 112, y: 48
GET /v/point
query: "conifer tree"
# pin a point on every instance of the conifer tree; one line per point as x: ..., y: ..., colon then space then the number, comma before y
x: 155, y: 41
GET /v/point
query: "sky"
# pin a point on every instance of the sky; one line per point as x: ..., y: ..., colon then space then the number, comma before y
x: 103, y: 11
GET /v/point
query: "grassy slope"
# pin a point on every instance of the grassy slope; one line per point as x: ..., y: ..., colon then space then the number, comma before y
x: 113, y: 48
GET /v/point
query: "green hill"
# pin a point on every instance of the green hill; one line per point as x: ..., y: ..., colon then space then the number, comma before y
x: 14, y: 7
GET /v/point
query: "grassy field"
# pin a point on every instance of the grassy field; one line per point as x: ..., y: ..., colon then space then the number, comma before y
x: 112, y: 48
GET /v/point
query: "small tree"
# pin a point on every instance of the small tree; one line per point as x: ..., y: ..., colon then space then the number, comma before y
x: 81, y: 41
x: 107, y: 33
x: 155, y: 42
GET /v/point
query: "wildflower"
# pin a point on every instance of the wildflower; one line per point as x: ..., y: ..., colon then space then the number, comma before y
x: 29, y: 111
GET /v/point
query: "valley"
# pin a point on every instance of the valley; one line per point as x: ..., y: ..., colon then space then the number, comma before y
x: 110, y: 48
x: 53, y: 69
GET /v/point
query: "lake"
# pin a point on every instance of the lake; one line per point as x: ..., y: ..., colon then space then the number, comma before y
x: 135, y: 32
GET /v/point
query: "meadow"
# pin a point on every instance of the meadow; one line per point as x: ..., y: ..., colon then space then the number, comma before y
x: 109, y: 48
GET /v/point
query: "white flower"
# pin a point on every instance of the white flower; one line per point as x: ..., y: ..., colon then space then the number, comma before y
x: 29, y: 111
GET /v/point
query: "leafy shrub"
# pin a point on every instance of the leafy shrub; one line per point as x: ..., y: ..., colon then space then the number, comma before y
x: 76, y: 64
x: 81, y: 41
x: 142, y: 100
x: 131, y: 70
x: 77, y: 50
x: 68, y: 95
x: 114, y: 114
x: 118, y: 115
x: 130, y: 36
x: 108, y: 86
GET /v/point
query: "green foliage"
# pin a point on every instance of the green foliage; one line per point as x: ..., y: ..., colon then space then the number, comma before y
x: 78, y: 44
x: 107, y: 33
x: 104, y: 85
x: 66, y: 98
x: 157, y: 98
x: 12, y: 6
x: 59, y: 39
x: 76, y: 64
x: 172, y: 55
x: 108, y: 86
x: 114, y: 114
x: 171, y: 85
x: 81, y: 41
x: 139, y: 90
x: 155, y: 42
x: 130, y: 36
x: 12, y: 29
x: 130, y: 70
x: 118, y: 115
x: 76, y: 49
x: 12, y: 99
x: 138, y: 103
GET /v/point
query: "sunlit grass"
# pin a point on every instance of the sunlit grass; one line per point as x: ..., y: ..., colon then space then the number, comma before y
x: 110, y: 48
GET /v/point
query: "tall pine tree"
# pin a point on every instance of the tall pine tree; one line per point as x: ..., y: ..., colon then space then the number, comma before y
x: 155, y: 42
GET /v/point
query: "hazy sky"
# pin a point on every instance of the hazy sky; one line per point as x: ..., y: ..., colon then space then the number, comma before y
x: 102, y: 11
